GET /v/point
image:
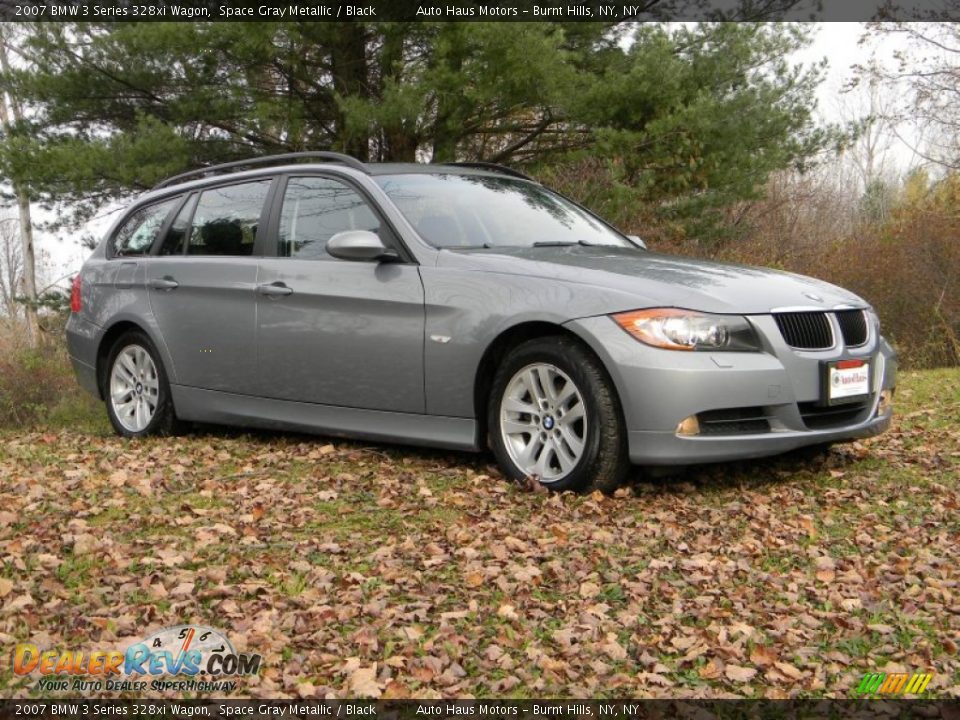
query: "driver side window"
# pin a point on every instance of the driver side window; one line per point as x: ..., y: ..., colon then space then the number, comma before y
x: 314, y: 210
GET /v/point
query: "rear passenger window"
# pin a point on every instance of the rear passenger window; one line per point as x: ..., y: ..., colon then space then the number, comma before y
x: 226, y: 219
x: 136, y: 235
x: 314, y: 210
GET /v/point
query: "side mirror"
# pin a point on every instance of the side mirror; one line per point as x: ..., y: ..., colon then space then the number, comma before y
x: 360, y: 245
x: 638, y: 240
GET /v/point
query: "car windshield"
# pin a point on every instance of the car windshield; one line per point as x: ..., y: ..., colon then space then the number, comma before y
x: 464, y: 211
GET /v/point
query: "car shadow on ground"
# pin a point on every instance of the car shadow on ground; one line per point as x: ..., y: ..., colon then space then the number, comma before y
x: 741, y: 474
x: 753, y: 474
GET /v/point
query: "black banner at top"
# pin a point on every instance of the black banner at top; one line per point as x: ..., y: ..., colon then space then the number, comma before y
x: 466, y: 11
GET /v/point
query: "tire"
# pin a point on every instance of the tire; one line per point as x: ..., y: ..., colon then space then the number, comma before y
x: 135, y: 389
x: 579, y: 424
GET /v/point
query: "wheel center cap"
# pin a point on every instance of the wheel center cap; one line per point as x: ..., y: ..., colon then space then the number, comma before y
x: 548, y: 422
x: 139, y: 388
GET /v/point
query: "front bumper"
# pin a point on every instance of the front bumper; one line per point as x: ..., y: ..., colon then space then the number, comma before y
x: 660, y: 388
x: 667, y: 448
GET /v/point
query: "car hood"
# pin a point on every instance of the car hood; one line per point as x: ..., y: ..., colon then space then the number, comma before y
x: 636, y: 278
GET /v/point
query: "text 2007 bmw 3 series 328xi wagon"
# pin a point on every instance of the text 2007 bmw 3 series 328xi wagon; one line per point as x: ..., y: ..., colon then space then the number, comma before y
x: 460, y: 306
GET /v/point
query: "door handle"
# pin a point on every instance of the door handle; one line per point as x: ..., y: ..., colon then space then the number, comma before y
x: 164, y: 283
x: 275, y: 289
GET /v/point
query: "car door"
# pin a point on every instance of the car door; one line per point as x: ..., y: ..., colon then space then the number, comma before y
x: 332, y: 331
x: 128, y: 249
x: 201, y: 285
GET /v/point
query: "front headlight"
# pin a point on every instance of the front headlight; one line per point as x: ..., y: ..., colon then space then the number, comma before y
x: 674, y: 329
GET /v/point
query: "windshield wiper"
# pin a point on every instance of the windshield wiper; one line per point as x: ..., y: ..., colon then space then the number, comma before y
x: 538, y: 244
x: 563, y: 243
x: 485, y: 246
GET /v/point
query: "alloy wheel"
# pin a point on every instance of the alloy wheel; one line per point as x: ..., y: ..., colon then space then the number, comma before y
x: 134, y: 388
x: 543, y: 422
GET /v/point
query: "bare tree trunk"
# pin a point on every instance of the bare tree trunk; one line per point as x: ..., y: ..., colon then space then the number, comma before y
x: 10, y: 113
x: 29, y: 268
x: 11, y: 269
x: 348, y: 61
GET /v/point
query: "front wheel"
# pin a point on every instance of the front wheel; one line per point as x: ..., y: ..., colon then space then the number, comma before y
x: 554, y: 415
x: 136, y: 390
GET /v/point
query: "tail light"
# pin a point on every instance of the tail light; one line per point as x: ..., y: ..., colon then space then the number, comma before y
x: 75, y: 303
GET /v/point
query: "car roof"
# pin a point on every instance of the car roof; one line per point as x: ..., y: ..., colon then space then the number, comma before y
x: 197, y: 180
x: 392, y: 168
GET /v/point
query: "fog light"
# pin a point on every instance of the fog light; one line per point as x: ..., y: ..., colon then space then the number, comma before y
x: 886, y: 401
x: 689, y: 426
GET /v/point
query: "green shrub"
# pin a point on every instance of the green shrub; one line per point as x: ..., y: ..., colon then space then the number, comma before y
x: 38, y: 388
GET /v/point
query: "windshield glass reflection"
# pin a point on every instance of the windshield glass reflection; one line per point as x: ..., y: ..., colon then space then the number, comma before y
x: 469, y: 211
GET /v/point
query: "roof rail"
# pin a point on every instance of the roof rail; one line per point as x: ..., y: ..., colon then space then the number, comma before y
x: 503, y: 169
x: 266, y: 160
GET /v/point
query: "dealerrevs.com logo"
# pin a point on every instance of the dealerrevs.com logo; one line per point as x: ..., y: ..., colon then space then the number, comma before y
x: 180, y: 658
x: 894, y: 683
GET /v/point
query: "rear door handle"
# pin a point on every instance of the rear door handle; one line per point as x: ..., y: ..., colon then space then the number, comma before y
x: 164, y: 283
x: 274, y: 289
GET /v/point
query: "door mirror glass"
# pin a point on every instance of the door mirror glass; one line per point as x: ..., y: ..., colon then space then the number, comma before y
x: 359, y: 245
x: 638, y: 240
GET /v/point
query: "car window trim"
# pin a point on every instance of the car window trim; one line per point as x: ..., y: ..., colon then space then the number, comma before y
x: 167, y: 224
x: 261, y: 243
x: 394, y: 240
x: 193, y: 199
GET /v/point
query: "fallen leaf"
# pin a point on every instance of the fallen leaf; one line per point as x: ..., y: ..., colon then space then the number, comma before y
x: 614, y: 650
x: 739, y: 674
x: 363, y: 682
x: 789, y: 670
x: 711, y: 670
x: 183, y: 590
x: 18, y: 603
x: 762, y: 656
x: 589, y: 590
x: 826, y: 575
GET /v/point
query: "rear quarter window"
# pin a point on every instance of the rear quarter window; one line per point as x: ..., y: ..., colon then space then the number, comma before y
x: 137, y: 235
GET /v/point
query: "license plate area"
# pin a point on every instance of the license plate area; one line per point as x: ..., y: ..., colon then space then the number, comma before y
x: 844, y: 381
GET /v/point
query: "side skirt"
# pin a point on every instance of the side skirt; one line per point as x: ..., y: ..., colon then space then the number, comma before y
x: 212, y: 406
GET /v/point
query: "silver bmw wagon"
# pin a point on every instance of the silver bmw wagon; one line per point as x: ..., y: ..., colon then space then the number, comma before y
x: 460, y: 306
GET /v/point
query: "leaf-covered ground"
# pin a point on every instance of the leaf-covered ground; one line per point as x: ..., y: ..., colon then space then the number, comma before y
x: 366, y: 570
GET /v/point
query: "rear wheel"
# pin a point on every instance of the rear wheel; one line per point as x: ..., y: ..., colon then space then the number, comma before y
x: 554, y: 415
x: 136, y: 390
